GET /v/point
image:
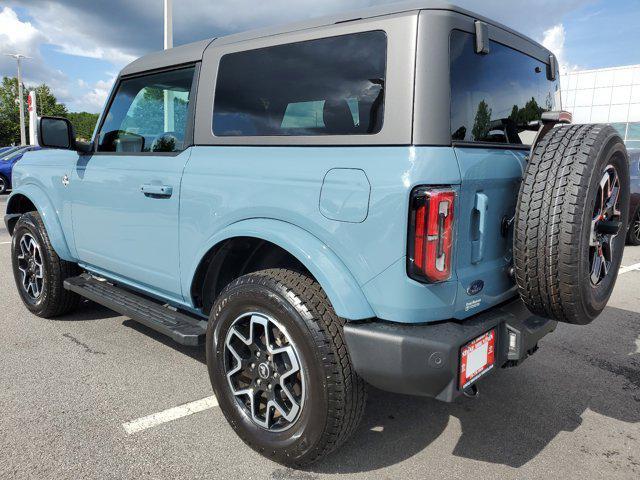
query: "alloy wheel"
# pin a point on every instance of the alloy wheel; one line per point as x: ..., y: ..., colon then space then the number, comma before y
x: 31, y: 266
x: 264, y: 371
x: 605, y: 225
x: 635, y: 225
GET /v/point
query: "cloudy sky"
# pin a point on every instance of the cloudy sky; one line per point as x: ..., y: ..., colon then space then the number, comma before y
x: 78, y: 46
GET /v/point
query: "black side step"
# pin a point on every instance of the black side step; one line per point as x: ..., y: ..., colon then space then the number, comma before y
x: 184, y: 329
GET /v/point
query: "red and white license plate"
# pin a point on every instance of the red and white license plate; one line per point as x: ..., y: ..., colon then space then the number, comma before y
x: 476, y: 358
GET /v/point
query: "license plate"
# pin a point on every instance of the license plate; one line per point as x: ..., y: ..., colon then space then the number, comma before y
x: 476, y: 358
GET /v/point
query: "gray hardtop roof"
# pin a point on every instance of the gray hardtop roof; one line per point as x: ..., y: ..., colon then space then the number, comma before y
x: 189, y: 53
x: 194, y: 52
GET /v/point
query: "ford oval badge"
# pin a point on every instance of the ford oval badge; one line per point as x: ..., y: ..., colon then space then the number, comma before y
x: 475, y: 288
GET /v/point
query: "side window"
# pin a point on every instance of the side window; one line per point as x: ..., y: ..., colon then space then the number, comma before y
x: 148, y: 114
x: 331, y: 86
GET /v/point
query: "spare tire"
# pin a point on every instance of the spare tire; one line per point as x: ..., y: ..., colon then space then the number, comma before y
x: 570, y: 223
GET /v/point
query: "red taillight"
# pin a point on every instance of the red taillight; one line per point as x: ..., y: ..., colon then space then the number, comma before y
x: 431, y: 234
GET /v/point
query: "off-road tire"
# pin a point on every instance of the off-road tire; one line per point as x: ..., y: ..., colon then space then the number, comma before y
x: 633, y: 237
x: 54, y: 300
x: 335, y: 395
x: 553, y: 222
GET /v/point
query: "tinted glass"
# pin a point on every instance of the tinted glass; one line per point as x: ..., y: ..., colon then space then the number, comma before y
x: 621, y: 128
x: 148, y: 114
x: 633, y: 131
x: 494, y: 97
x: 332, y: 86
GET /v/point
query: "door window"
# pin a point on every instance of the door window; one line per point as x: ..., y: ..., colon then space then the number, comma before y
x: 148, y: 114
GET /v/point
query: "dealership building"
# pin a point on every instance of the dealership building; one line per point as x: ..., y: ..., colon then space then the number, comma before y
x: 608, y: 95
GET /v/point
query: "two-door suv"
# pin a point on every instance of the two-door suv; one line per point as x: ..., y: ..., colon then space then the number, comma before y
x: 392, y: 196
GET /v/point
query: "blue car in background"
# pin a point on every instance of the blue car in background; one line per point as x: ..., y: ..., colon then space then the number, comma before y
x: 9, y: 156
x: 8, y: 150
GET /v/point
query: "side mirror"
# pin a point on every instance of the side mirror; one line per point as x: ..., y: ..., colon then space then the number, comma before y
x: 55, y: 132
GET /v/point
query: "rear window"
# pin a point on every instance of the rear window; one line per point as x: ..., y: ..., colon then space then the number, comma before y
x: 331, y: 86
x: 495, y: 97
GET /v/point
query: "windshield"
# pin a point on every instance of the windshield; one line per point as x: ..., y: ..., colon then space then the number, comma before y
x: 497, y: 98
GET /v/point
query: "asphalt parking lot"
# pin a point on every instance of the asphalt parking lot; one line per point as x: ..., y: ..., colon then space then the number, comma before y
x: 68, y: 387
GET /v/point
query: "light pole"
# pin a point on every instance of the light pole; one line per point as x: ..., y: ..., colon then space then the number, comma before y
x: 169, y: 124
x: 19, y: 57
x: 168, y: 24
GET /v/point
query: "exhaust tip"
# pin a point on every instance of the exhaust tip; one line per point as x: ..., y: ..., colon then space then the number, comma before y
x: 471, y: 391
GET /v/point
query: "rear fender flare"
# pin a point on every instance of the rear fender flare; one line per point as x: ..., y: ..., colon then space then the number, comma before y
x: 341, y: 287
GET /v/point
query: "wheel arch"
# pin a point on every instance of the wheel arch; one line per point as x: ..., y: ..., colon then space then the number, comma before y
x: 288, y: 246
x: 32, y: 198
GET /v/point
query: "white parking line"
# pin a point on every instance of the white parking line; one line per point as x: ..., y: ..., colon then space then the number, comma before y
x: 5, y: 243
x: 628, y: 269
x: 169, y: 415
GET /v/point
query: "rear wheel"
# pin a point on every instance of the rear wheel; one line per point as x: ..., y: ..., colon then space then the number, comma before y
x: 280, y: 368
x: 633, y: 237
x: 570, y: 220
x: 38, y: 271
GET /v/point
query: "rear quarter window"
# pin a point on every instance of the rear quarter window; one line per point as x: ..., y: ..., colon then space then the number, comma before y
x: 495, y: 97
x: 330, y: 86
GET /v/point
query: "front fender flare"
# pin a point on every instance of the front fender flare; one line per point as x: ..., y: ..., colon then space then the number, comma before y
x: 49, y: 216
x: 341, y: 288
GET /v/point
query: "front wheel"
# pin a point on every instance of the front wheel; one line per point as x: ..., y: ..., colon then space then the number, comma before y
x: 280, y: 368
x: 4, y: 185
x: 38, y: 271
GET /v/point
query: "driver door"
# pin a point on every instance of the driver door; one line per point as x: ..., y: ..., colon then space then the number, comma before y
x: 126, y: 194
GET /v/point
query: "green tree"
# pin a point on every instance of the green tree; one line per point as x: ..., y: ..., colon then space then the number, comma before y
x: 482, y: 121
x: 48, y: 105
x: 9, y: 112
x: 530, y: 112
x: 10, y: 109
x: 83, y: 123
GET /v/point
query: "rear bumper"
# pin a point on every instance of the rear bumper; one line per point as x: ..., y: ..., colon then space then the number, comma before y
x: 424, y: 359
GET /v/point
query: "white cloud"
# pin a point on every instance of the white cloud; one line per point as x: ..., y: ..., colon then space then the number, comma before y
x: 15, y: 34
x: 110, y: 54
x: 27, y: 37
x: 554, y: 39
x: 95, y: 99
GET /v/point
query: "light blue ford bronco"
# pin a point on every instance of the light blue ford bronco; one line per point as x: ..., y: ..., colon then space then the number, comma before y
x: 391, y: 197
